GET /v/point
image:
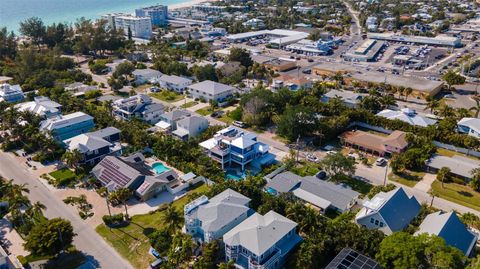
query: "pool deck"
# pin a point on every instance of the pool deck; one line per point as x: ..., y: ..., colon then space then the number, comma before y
x: 151, y: 160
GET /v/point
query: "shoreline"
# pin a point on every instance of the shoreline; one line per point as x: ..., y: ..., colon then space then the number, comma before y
x: 188, y: 4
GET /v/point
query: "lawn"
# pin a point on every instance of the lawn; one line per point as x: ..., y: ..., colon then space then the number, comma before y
x: 189, y: 104
x: 63, y: 177
x: 451, y: 153
x: 457, y: 193
x: 225, y: 118
x: 131, y: 241
x: 306, y: 168
x: 204, y: 111
x: 408, y: 178
x: 356, y: 185
x: 167, y: 96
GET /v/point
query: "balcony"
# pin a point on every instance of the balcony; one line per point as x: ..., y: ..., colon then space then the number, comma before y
x: 275, y: 256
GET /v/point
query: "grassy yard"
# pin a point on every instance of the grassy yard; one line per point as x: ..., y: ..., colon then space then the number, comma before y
x: 204, y: 111
x: 356, y: 185
x: 189, y: 104
x: 408, y: 178
x: 457, y: 193
x: 306, y: 168
x: 167, y: 96
x: 451, y: 153
x: 225, y: 118
x: 63, y: 177
x: 131, y: 241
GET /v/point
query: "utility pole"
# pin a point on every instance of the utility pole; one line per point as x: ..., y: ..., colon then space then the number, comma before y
x: 298, y: 147
x: 385, y: 177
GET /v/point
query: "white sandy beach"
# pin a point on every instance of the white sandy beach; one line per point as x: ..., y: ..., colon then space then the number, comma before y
x: 188, y: 4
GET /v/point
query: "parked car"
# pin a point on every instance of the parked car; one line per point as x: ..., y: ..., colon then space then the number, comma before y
x: 156, y: 264
x: 330, y: 152
x: 322, y: 175
x: 380, y: 162
x: 307, y: 71
x: 240, y: 124
x: 449, y: 96
x: 217, y: 114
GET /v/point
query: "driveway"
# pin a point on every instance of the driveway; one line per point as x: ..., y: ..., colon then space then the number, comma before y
x: 97, y: 251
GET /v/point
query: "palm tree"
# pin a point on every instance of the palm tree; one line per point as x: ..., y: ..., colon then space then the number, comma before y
x: 122, y: 195
x: 446, y: 111
x: 432, y: 104
x: 36, y: 209
x: 172, y: 218
x: 476, y: 108
x: 71, y: 158
x: 407, y: 92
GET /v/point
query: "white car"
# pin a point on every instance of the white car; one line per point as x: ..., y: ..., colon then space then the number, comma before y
x: 312, y: 158
x: 380, y: 162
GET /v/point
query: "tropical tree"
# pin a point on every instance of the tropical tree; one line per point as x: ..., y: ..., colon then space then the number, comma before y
x: 172, y: 219
x: 407, y: 92
x: 72, y: 157
x: 122, y: 195
x: 50, y: 238
x: 475, y: 181
x: 34, y: 28
x: 443, y: 175
x: 337, y: 164
x: 452, y: 78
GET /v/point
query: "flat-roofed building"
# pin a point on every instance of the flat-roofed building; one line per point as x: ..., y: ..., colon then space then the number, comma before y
x: 279, y: 65
x: 440, y: 40
x: 366, y: 52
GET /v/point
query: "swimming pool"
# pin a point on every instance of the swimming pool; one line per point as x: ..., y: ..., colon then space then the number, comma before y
x: 159, y: 168
x: 232, y: 174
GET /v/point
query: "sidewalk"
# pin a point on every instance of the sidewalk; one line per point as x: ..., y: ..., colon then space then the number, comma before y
x: 426, y: 182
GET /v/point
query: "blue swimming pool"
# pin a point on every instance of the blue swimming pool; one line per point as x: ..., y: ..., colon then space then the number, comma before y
x: 159, y: 168
x: 232, y: 174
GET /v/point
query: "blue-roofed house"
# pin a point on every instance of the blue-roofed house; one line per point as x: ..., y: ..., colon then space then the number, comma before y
x: 67, y: 126
x: 261, y: 242
x: 209, y: 219
x: 449, y: 227
x: 388, y: 212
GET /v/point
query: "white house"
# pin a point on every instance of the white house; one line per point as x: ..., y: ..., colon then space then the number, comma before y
x: 174, y: 83
x: 142, y: 76
x: 190, y: 127
x: 11, y: 93
x: 209, y: 219
x: 210, y: 90
x: 138, y: 106
x: 407, y: 115
x: 470, y: 126
x: 41, y: 106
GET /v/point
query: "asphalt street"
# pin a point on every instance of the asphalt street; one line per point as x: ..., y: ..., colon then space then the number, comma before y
x: 97, y: 251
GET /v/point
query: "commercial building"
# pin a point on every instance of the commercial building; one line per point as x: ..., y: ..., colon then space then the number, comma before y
x: 233, y: 146
x: 278, y: 37
x: 388, y: 212
x: 376, y: 144
x: 211, y: 90
x: 311, y: 48
x: 261, y: 242
x: 68, y: 126
x: 279, y: 65
x: 449, y: 227
x: 11, y: 93
x: 157, y: 14
x: 94, y: 146
x: 138, y: 106
x: 440, y: 40
x: 209, y: 219
x: 140, y: 27
x: 366, y: 52
x: 41, y: 106
x: 421, y: 87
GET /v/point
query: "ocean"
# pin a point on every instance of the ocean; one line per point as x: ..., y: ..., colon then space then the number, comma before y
x: 12, y: 12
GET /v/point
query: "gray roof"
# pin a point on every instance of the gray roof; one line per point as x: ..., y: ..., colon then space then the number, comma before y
x: 187, y: 122
x: 153, y: 181
x: 458, y: 165
x: 108, y: 97
x: 313, y: 189
x: 175, y: 79
x: 211, y: 87
x: 86, y: 143
x: 472, y: 123
x: 176, y: 114
x: 63, y: 121
x: 114, y: 172
x: 146, y: 72
x: 221, y: 210
x: 347, y: 96
x: 259, y: 233
x: 395, y: 207
x: 105, y: 132
x: 153, y: 107
x: 284, y: 182
x: 449, y: 227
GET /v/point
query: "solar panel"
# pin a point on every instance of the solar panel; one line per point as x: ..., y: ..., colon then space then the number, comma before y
x: 350, y: 259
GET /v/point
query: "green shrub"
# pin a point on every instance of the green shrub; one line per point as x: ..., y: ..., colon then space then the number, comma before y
x: 113, y: 219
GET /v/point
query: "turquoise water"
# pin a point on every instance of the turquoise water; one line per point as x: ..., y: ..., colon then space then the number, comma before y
x: 232, y: 174
x: 159, y: 168
x: 14, y: 11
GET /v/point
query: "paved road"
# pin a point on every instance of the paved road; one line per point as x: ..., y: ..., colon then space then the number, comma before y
x: 98, y: 252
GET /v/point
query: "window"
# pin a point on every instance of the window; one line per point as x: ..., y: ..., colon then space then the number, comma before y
x: 376, y: 222
x: 371, y: 220
x: 381, y: 224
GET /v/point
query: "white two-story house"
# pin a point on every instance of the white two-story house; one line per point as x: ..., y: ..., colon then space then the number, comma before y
x: 209, y: 219
x: 470, y: 126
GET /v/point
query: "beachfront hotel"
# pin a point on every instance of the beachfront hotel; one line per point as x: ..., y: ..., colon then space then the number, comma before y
x: 140, y: 27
